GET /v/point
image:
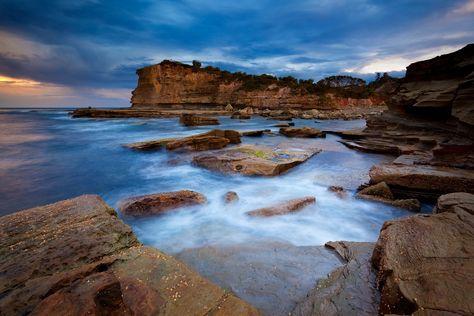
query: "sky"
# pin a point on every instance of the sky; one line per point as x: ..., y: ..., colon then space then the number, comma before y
x: 85, y: 52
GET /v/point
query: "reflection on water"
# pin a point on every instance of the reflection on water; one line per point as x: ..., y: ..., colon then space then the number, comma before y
x: 49, y: 157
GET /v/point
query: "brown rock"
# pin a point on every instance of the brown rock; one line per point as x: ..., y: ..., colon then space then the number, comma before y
x: 425, y: 264
x: 455, y: 202
x: 423, y: 178
x: 231, y: 197
x: 254, y: 160
x: 287, y: 207
x: 256, y: 133
x: 301, y: 132
x: 347, y: 290
x: 75, y: 257
x: 193, y: 120
x: 154, y: 204
x: 215, y: 139
x: 339, y: 191
x: 380, y: 189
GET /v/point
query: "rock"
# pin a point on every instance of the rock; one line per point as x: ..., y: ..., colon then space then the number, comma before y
x: 76, y: 257
x: 455, y: 202
x: 193, y: 120
x: 256, y: 133
x: 425, y: 264
x: 339, y: 191
x: 231, y: 197
x: 284, y: 208
x: 155, y: 204
x: 282, y: 125
x: 423, y: 180
x: 239, y: 116
x: 254, y: 160
x: 348, y: 290
x: 172, y: 84
x: 215, y: 139
x: 380, y: 192
x: 229, y: 108
x: 271, y: 276
x: 380, y: 189
x: 301, y: 132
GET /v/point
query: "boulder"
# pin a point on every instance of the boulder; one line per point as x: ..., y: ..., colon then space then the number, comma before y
x: 215, y: 139
x: 155, y: 204
x: 253, y: 160
x: 380, y: 189
x: 284, y: 208
x: 308, y: 132
x: 271, y: 276
x: 454, y: 202
x: 425, y: 264
x: 240, y: 116
x: 256, y: 133
x: 76, y: 257
x: 380, y: 192
x: 347, y: 290
x: 194, y: 120
x: 231, y: 197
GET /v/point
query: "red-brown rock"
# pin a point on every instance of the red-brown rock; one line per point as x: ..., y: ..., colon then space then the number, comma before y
x: 155, y: 204
x: 283, y: 208
x: 307, y: 132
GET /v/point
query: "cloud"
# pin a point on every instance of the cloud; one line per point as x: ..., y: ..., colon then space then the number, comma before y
x: 93, y: 47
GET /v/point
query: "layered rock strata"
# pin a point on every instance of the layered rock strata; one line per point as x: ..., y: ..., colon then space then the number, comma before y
x: 76, y: 257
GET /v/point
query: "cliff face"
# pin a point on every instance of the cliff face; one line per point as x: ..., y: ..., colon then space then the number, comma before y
x: 441, y: 87
x: 175, y: 85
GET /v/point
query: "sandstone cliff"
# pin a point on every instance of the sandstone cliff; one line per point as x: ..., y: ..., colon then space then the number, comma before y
x: 176, y: 85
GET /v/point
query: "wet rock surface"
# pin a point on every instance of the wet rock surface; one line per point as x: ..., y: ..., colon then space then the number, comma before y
x: 381, y: 192
x: 155, y: 204
x: 425, y: 263
x: 338, y: 190
x: 307, y: 132
x: 271, y: 276
x: 76, y: 257
x: 231, y: 197
x: 194, y: 120
x: 347, y: 290
x: 215, y: 139
x: 253, y: 160
x: 284, y: 208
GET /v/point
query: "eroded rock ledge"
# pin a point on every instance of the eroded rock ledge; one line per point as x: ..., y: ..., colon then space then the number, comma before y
x: 76, y: 257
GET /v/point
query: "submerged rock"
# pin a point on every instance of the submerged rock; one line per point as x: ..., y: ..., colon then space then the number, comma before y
x: 380, y: 192
x: 287, y: 207
x: 231, y: 197
x: 273, y: 277
x: 194, y: 120
x: 308, y: 132
x: 254, y: 160
x: 348, y: 290
x: 154, y: 204
x: 256, y: 133
x: 339, y: 191
x: 215, y: 139
x: 425, y: 264
x: 76, y: 257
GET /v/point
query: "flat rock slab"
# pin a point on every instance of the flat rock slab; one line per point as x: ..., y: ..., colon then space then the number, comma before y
x: 215, y: 139
x: 425, y: 264
x: 76, y: 257
x: 306, y: 132
x: 423, y: 178
x: 271, y: 276
x: 349, y: 289
x: 255, y: 160
x: 194, y: 120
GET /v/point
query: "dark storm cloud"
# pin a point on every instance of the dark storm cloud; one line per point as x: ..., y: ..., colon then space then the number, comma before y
x: 98, y: 44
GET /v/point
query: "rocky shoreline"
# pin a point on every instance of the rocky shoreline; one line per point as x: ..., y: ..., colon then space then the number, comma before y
x: 77, y: 257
